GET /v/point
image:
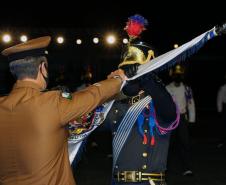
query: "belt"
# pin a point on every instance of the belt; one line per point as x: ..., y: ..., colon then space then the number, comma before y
x: 133, y: 99
x: 137, y: 176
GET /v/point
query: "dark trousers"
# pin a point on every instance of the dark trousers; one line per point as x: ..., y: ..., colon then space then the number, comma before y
x: 180, y: 143
x: 222, y: 126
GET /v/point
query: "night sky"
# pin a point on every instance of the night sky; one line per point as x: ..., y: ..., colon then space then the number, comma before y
x: 169, y: 23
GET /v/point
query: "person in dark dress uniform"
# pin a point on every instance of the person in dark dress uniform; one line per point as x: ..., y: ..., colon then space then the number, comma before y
x: 141, y: 120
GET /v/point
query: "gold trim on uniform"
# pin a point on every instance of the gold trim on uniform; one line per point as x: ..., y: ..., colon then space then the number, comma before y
x: 138, y: 176
x: 145, y: 154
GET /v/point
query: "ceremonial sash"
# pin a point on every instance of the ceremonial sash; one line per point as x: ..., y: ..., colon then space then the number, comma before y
x: 126, y: 126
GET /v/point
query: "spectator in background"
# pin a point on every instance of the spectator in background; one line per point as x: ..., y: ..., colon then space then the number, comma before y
x: 184, y: 99
x: 86, y: 78
x: 221, y: 109
x: 60, y: 80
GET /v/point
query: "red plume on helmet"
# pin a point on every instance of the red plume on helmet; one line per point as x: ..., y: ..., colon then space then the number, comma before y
x: 135, y: 26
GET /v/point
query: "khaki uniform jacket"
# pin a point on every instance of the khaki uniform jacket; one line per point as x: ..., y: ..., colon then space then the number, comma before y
x: 33, y: 138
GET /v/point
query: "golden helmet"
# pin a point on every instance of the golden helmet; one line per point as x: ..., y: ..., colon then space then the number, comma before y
x: 177, y: 70
x: 137, y: 52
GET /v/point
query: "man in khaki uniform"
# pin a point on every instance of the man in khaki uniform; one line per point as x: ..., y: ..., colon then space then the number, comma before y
x: 33, y: 138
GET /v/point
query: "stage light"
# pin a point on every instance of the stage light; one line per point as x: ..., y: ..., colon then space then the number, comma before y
x: 125, y: 41
x: 111, y: 39
x: 175, y: 46
x: 6, y: 38
x: 60, y: 40
x: 96, y: 40
x: 78, y: 41
x: 23, y: 38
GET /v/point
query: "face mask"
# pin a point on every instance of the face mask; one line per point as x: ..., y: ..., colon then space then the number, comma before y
x: 178, y: 79
x: 46, y: 80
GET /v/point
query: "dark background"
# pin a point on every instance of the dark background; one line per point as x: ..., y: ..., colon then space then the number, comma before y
x: 169, y: 23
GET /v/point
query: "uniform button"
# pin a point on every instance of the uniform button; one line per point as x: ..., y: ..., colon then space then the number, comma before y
x: 116, y: 110
x: 144, y: 167
x: 145, y: 131
x: 114, y: 121
x: 116, y: 166
x: 114, y: 133
x: 145, y: 154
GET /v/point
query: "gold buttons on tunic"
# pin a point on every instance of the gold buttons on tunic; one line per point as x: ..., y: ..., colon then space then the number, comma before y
x: 116, y: 110
x: 145, y: 154
x: 144, y: 167
x: 114, y: 121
